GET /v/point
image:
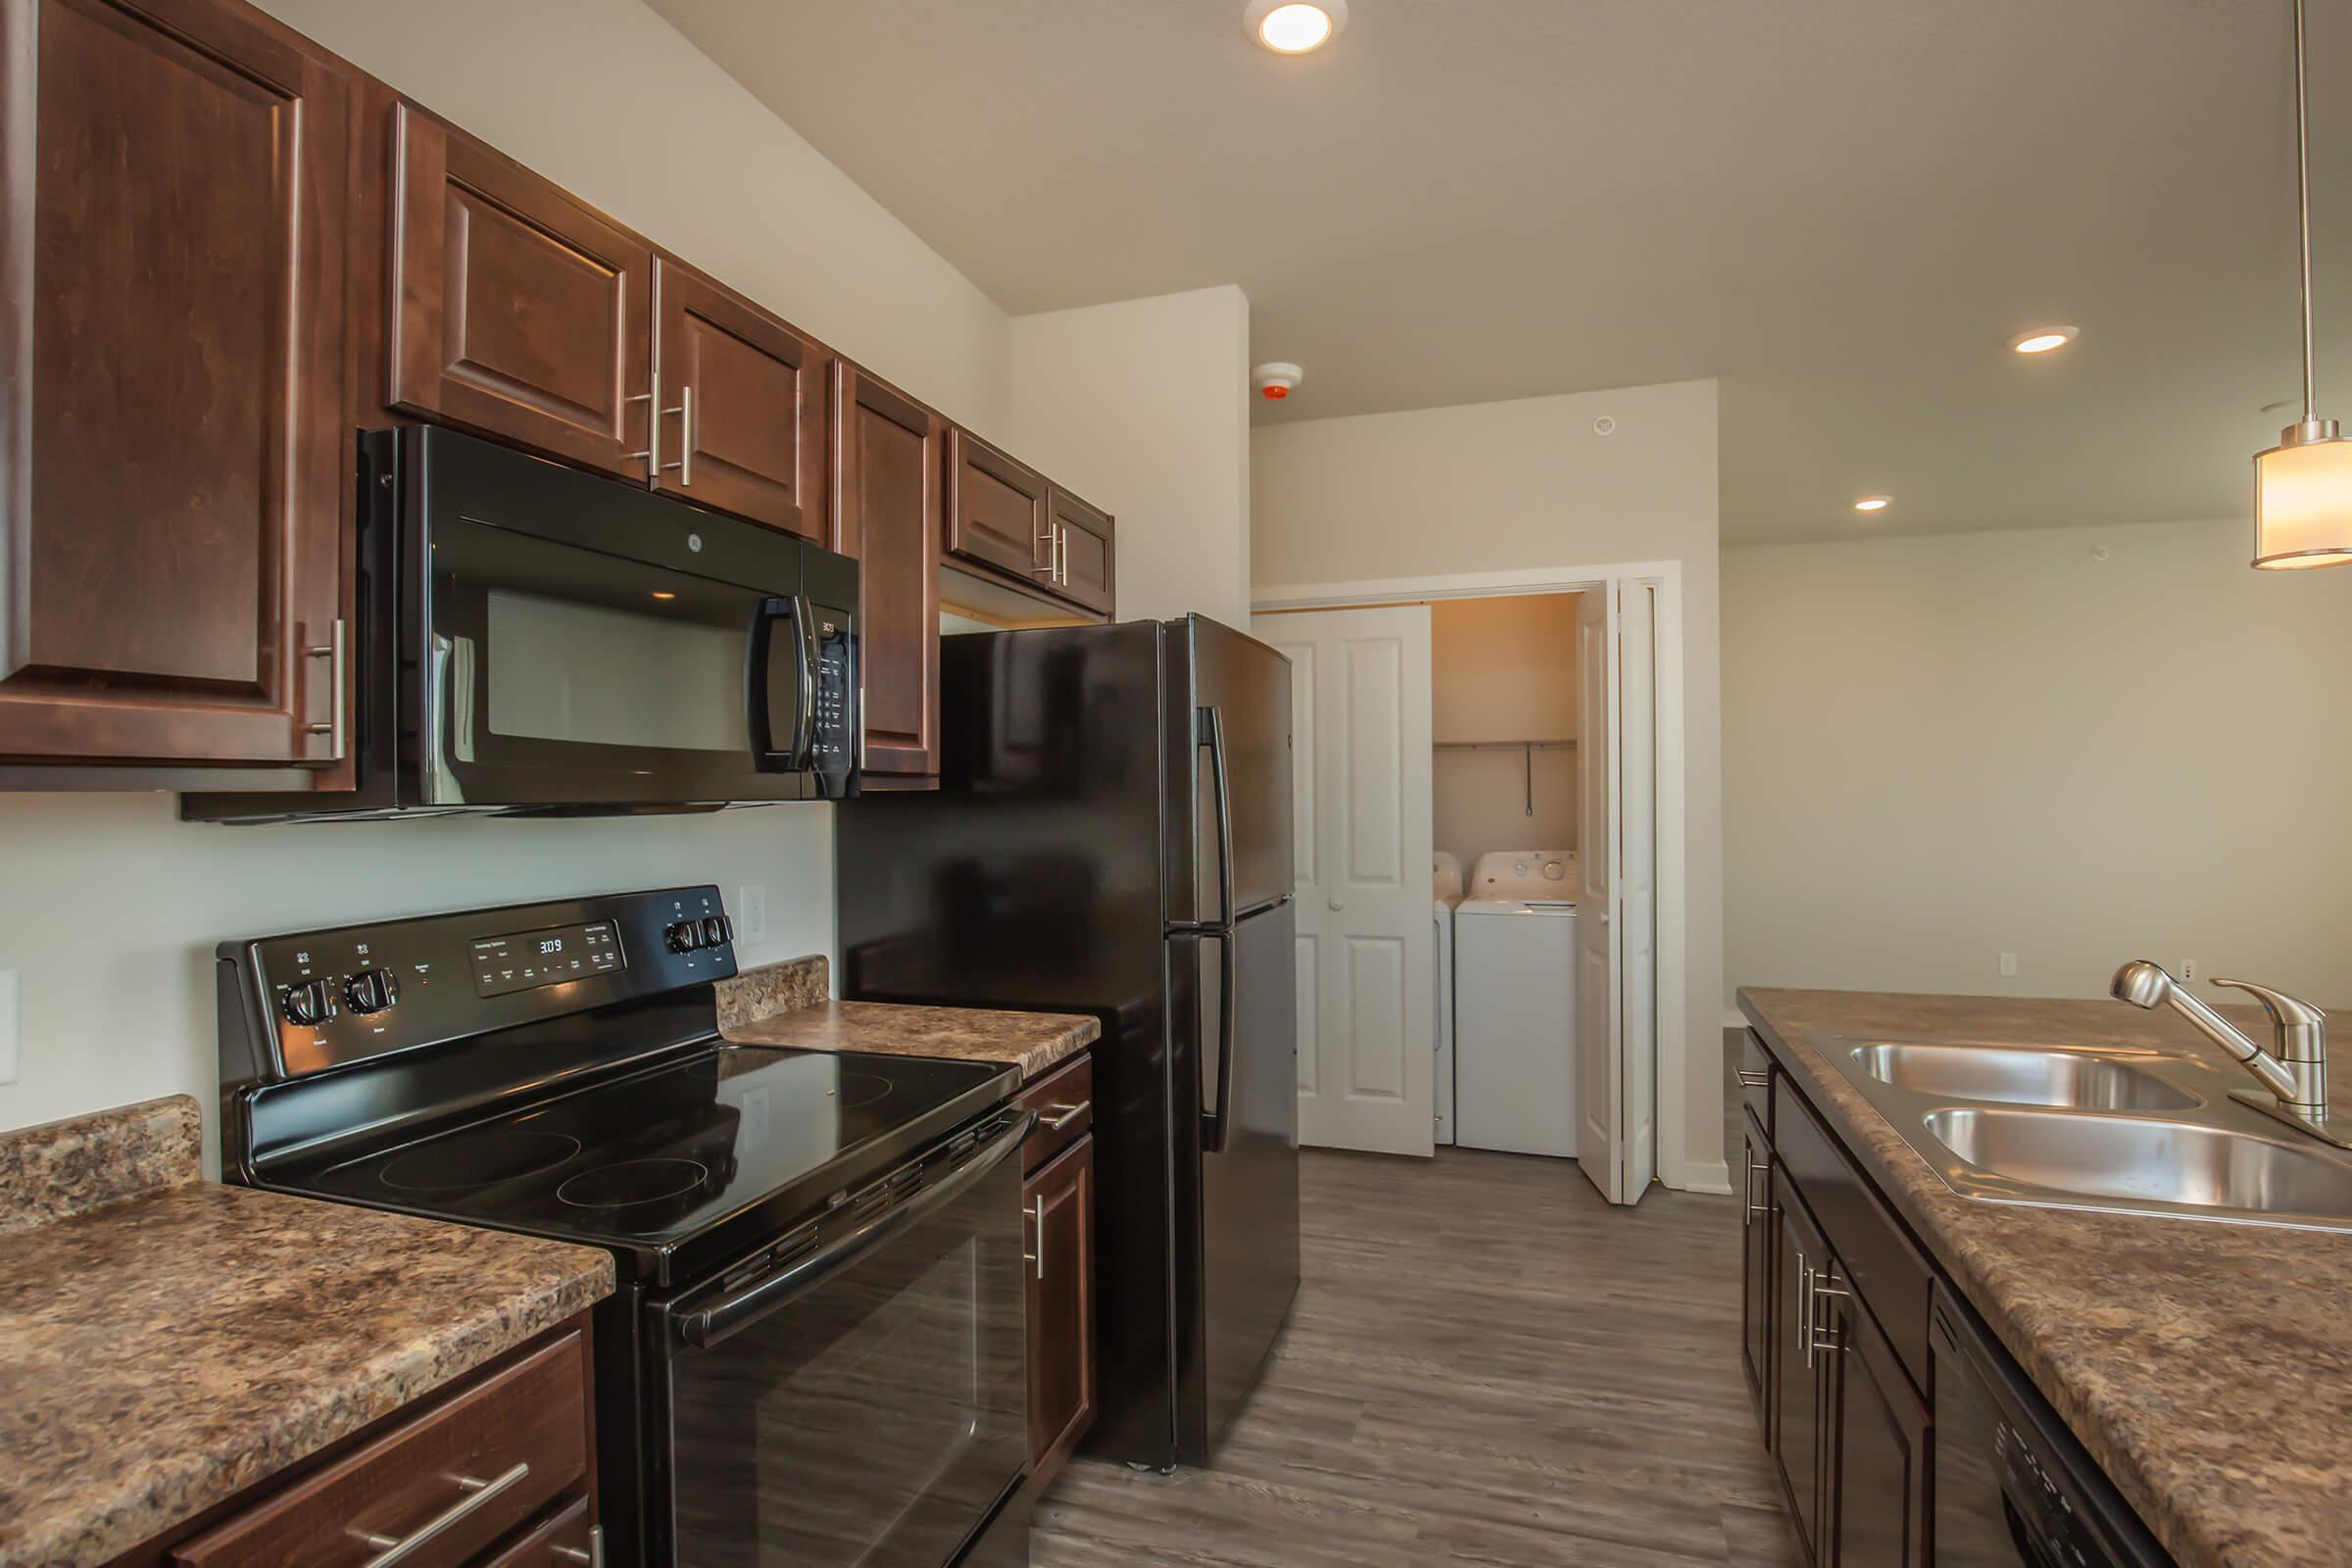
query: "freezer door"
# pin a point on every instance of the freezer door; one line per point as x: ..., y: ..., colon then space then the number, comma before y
x: 1235, y: 1015
x: 1228, y: 729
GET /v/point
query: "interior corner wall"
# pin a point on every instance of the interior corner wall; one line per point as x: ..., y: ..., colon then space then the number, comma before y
x: 2080, y: 746
x: 1527, y: 485
x: 114, y: 905
x: 1143, y: 408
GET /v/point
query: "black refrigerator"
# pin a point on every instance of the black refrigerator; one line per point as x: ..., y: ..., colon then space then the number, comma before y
x: 1112, y: 835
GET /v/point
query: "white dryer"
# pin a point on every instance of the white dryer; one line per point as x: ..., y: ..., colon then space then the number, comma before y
x: 1514, y: 1003
x: 1445, y: 891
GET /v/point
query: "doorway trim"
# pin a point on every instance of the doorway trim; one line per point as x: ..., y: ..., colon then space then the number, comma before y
x: 1679, y: 1165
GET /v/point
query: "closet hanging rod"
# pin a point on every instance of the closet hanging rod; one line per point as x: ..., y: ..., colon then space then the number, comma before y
x: 1504, y: 746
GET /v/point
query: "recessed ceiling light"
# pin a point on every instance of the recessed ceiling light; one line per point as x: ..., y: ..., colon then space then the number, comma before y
x: 664, y: 593
x: 1873, y: 503
x: 2042, y: 339
x: 1295, y: 26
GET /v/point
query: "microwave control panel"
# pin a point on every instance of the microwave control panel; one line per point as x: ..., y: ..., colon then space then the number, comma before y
x: 834, y: 748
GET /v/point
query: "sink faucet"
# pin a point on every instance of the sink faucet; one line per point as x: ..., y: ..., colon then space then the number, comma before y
x: 2295, y: 1070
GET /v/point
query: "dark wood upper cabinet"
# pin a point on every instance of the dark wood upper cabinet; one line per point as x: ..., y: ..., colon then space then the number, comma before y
x: 889, y: 482
x: 1082, y: 535
x: 744, y: 405
x: 514, y: 309
x: 172, y: 443
x: 996, y: 509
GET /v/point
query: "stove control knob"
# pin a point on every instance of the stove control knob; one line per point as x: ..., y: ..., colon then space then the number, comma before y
x: 371, y: 991
x: 308, y: 1004
x: 717, y: 932
x: 684, y: 936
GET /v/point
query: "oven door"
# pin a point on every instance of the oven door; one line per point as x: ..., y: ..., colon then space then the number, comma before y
x: 861, y: 1399
x: 582, y: 642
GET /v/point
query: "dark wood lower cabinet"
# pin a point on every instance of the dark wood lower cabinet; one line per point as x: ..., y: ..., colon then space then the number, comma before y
x: 1061, y: 1198
x: 1875, y: 1513
x: 496, y: 1472
x: 1848, y: 1429
x: 1759, y: 1224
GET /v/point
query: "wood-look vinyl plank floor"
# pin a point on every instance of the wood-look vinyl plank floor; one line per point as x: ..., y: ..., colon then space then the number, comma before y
x: 1486, y: 1364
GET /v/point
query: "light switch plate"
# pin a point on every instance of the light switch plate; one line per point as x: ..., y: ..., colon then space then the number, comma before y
x: 8, y: 1026
x: 750, y: 912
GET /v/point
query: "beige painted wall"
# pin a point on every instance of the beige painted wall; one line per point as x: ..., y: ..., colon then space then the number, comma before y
x: 1503, y: 670
x: 1143, y: 408
x: 1939, y: 750
x: 1529, y: 485
x: 612, y: 103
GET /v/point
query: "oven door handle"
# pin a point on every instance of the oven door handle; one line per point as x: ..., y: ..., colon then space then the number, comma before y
x: 713, y: 1325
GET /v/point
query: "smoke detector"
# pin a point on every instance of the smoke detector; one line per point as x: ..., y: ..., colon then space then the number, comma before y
x: 1276, y: 379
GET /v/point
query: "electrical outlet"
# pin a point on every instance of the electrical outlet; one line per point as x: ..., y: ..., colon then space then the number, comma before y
x: 8, y: 1026
x: 2189, y: 968
x: 2009, y: 964
x: 751, y: 913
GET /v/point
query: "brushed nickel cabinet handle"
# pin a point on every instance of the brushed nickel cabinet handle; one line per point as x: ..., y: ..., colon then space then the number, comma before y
x: 1748, y: 1193
x: 1755, y: 1080
x: 1037, y: 1216
x: 1063, y: 1115
x: 684, y: 462
x: 652, y: 455
x: 336, y: 652
x: 394, y: 1549
x: 594, y: 1556
x: 1061, y: 555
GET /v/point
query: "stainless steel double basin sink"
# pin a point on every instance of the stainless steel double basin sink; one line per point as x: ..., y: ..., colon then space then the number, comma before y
x: 2108, y: 1128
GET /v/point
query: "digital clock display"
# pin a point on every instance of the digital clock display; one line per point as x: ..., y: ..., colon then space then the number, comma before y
x: 524, y: 960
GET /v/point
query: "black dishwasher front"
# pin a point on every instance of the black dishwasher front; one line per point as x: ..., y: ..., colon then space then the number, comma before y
x: 2013, y: 1488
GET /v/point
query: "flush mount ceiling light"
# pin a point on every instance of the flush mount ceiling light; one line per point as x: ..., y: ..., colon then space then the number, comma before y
x: 2303, y: 485
x: 1873, y: 503
x: 2042, y: 339
x: 1295, y: 26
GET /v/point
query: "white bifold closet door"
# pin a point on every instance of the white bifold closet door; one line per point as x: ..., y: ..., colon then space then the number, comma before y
x: 1616, y: 981
x: 1360, y: 737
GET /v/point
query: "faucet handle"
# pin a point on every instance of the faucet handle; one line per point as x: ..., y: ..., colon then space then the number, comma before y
x: 2299, y: 1026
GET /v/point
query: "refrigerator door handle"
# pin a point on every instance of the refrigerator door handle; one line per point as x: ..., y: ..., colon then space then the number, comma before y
x: 1213, y: 1122
x: 1210, y: 731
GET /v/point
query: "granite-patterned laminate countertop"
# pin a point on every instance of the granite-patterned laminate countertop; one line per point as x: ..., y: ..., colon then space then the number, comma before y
x: 2207, y: 1367
x: 168, y: 1341
x: 785, y: 1005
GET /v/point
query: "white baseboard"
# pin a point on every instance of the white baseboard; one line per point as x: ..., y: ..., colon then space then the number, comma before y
x: 1734, y: 1018
x: 1707, y: 1176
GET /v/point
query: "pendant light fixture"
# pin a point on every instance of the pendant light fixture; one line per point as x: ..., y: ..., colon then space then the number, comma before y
x: 2303, y: 485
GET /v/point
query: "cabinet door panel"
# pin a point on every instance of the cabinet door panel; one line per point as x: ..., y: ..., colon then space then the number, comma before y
x: 1062, y: 1304
x: 995, y: 509
x: 749, y: 434
x: 888, y: 492
x: 512, y: 308
x: 1799, y: 1401
x: 1876, y: 1515
x: 172, y: 437
x: 1086, y: 535
x: 1760, y: 1223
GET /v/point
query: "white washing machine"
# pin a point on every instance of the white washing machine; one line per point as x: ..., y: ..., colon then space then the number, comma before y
x: 1514, y: 1003
x: 1445, y: 891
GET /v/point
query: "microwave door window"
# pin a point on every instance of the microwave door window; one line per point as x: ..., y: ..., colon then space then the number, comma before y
x: 663, y: 676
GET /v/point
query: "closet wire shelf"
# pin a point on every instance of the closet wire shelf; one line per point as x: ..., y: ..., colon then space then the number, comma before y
x: 1527, y: 748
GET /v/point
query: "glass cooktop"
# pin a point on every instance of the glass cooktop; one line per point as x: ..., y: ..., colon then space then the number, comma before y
x: 702, y: 1155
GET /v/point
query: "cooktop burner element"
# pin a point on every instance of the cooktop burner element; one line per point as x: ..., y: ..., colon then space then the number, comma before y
x: 477, y: 1159
x: 860, y: 1088
x: 633, y: 1181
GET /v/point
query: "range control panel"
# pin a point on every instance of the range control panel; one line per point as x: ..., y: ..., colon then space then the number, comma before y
x: 327, y: 999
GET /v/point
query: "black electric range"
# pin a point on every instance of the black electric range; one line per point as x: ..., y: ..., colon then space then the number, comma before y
x: 816, y: 1353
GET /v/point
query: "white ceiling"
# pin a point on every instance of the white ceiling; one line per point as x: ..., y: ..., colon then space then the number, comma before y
x: 1841, y: 208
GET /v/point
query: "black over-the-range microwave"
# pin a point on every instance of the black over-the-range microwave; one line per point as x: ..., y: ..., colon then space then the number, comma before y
x: 531, y: 639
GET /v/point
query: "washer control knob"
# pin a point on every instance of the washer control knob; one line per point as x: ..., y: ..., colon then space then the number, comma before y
x: 371, y: 991
x: 717, y: 931
x: 308, y: 1004
x: 684, y: 936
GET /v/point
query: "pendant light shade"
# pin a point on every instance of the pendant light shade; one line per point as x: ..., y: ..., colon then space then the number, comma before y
x: 2303, y: 500
x: 2303, y: 485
